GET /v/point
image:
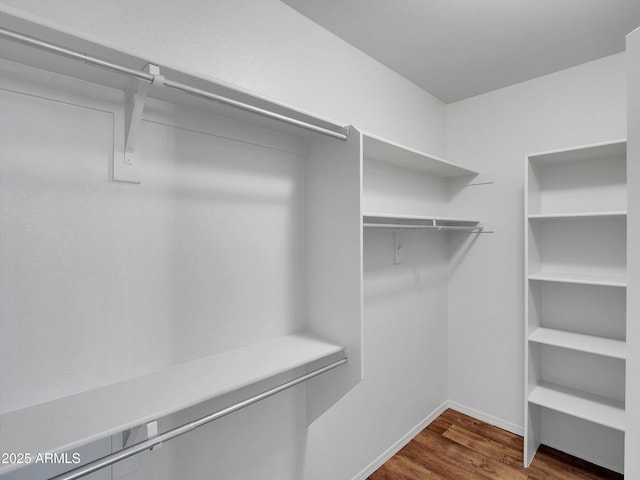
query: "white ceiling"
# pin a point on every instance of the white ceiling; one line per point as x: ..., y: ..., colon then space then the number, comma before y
x: 455, y: 49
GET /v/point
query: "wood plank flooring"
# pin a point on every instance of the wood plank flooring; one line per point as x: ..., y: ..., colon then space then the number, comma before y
x: 458, y: 447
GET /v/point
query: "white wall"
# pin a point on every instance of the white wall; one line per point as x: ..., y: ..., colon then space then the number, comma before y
x: 632, y: 436
x: 492, y: 133
x: 265, y: 46
x: 102, y: 282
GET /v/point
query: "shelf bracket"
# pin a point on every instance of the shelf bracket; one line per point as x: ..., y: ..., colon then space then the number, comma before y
x: 152, y: 432
x: 128, y: 168
x: 132, y: 436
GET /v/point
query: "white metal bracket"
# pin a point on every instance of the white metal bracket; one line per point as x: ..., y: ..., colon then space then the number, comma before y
x: 128, y: 168
x: 132, y: 436
x: 152, y: 432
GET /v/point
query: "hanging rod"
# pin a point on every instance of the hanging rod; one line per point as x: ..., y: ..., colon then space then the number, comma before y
x: 142, y: 75
x: 188, y: 427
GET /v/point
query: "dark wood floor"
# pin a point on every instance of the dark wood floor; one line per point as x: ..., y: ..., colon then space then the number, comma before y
x: 458, y: 447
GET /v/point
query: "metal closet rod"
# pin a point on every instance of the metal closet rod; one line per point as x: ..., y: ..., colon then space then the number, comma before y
x: 142, y: 75
x: 187, y: 427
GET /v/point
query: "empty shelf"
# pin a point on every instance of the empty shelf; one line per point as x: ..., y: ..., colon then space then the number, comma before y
x: 393, y: 153
x: 383, y: 220
x: 581, y: 278
x: 552, y: 216
x: 68, y: 422
x: 596, y: 409
x: 580, y: 342
x: 106, y: 66
x: 614, y: 149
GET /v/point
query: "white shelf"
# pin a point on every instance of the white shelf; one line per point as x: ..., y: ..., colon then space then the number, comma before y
x: 577, y: 341
x: 404, y: 220
x: 390, y: 152
x: 551, y: 216
x: 24, y: 54
x: 69, y: 422
x: 579, y: 278
x: 401, y: 218
x: 617, y: 148
x: 593, y: 408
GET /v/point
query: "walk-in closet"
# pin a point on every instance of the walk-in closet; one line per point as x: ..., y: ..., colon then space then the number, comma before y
x: 316, y: 240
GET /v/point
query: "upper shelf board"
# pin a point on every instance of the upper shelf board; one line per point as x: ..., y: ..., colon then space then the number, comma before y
x: 616, y: 149
x: 568, y: 216
x: 48, y: 61
x: 393, y: 153
x: 69, y: 422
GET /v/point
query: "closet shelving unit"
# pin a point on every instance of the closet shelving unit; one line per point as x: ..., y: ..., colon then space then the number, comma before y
x: 331, y: 195
x: 440, y: 173
x: 575, y: 302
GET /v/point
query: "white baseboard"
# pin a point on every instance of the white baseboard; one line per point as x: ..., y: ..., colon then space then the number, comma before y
x: 496, y: 422
x: 395, y: 448
x: 611, y: 463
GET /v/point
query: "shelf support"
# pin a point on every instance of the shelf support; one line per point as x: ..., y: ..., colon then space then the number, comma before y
x: 128, y: 168
x: 152, y: 432
x: 132, y: 436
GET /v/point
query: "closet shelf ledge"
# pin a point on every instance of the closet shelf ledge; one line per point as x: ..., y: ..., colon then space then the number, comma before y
x: 577, y: 215
x: 607, y: 347
x: 605, y: 280
x: 26, y: 42
x: 393, y: 221
x: 594, y: 408
x: 384, y: 150
x: 69, y: 422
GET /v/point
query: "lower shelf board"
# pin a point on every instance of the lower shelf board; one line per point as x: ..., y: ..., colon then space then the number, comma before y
x: 402, y: 221
x: 577, y: 341
x: 580, y: 278
x: 593, y: 408
x: 69, y: 422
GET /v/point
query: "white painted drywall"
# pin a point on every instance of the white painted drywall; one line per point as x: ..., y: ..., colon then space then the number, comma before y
x: 404, y: 344
x: 265, y: 46
x: 405, y: 313
x: 492, y: 133
x: 632, y: 436
x: 102, y: 282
